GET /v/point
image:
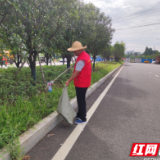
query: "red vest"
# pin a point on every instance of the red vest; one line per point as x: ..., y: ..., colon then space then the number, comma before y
x: 83, y: 80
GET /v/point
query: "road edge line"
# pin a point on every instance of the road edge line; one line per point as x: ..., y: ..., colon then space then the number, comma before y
x: 68, y: 144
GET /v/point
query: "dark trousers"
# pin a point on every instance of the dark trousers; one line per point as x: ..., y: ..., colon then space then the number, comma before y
x: 81, y: 96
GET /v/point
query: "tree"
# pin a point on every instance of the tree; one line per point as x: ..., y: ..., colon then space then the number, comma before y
x: 148, y: 51
x: 6, y: 9
x: 135, y: 54
x: 106, y: 53
x: 100, y: 36
x: 78, y: 27
x: 33, y: 27
x: 118, y: 51
x: 87, y: 25
x: 37, y: 23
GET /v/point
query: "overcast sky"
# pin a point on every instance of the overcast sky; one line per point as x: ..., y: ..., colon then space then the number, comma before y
x: 120, y: 12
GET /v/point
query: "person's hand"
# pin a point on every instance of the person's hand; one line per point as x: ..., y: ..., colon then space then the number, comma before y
x: 67, y: 83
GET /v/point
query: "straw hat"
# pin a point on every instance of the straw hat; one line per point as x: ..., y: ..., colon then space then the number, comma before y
x: 76, y: 46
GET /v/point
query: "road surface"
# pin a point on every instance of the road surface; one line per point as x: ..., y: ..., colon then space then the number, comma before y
x: 128, y: 113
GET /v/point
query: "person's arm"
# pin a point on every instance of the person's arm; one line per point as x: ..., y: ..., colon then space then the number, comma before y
x: 75, y: 74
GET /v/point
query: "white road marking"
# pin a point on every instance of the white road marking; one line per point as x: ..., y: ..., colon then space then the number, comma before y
x: 156, y: 75
x: 68, y: 144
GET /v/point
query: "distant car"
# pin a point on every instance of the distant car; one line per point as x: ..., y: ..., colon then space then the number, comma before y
x: 153, y: 62
x: 65, y: 60
x: 146, y: 62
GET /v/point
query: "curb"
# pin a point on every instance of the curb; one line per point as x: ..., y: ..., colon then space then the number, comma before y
x: 31, y: 137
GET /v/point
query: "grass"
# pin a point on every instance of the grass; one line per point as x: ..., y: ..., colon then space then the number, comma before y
x: 22, y: 105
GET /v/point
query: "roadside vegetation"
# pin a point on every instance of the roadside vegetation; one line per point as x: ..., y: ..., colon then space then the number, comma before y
x: 23, y: 105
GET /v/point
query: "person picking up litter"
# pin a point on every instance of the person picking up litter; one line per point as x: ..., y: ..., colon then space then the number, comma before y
x: 82, y: 79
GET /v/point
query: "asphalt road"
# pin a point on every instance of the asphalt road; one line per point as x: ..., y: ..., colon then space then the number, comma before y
x: 129, y: 113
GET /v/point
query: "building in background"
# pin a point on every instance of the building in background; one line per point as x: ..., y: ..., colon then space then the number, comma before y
x: 129, y: 52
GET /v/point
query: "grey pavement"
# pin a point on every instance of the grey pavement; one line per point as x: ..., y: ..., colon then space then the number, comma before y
x: 129, y: 113
x: 37, y: 64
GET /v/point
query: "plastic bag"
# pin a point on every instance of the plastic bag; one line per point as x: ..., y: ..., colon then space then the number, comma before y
x: 64, y: 107
x: 49, y: 84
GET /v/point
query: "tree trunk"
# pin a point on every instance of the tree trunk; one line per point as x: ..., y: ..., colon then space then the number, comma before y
x: 18, y: 61
x: 32, y: 61
x: 94, y: 59
x: 1, y: 62
x: 33, y: 72
x: 115, y: 59
x: 47, y: 59
x: 44, y: 81
x: 68, y: 62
